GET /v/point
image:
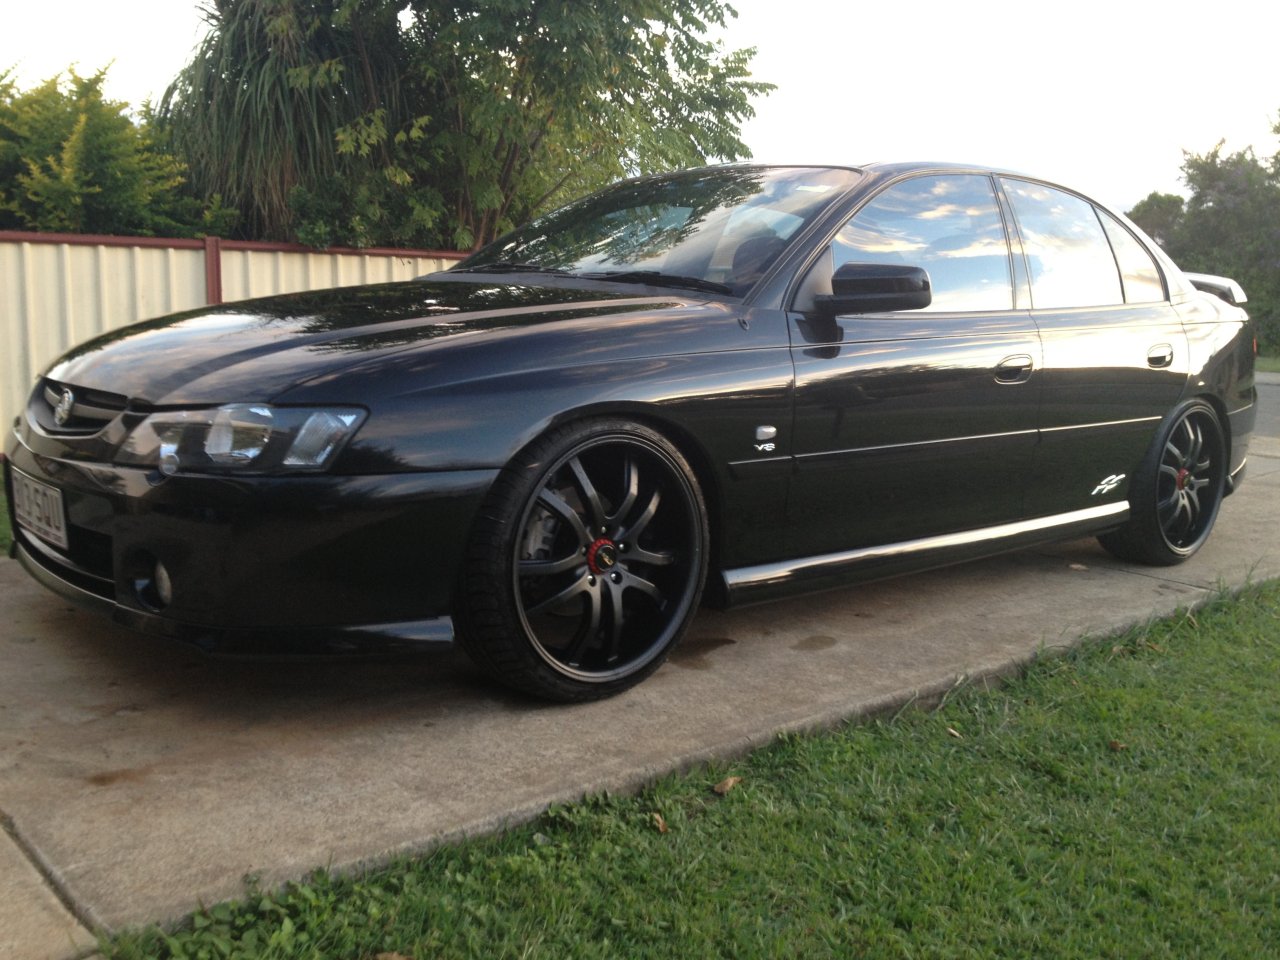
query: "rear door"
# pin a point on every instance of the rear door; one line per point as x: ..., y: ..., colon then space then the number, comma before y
x: 1115, y: 355
x: 915, y: 423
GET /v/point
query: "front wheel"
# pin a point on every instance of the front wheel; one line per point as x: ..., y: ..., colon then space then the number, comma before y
x: 587, y: 562
x: 1175, y: 496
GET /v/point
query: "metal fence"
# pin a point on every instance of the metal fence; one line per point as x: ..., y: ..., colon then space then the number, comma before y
x: 57, y: 290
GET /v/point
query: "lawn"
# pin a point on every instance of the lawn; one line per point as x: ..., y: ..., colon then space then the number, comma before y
x: 1268, y: 364
x: 1119, y: 801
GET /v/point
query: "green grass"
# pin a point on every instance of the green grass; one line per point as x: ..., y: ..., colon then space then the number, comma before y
x: 1268, y: 364
x: 1120, y: 801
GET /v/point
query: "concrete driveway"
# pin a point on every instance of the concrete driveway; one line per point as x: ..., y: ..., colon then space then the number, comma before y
x: 138, y: 780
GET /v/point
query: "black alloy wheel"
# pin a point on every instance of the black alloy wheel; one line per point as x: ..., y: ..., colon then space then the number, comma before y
x: 589, y: 565
x: 1175, y: 498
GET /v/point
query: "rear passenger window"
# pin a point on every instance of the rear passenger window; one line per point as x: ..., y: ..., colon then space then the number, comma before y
x: 1068, y: 255
x: 949, y: 225
x: 1138, y: 271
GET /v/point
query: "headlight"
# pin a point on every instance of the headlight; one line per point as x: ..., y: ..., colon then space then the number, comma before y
x: 241, y: 438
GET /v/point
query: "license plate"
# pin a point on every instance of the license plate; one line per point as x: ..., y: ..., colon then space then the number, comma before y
x: 38, y: 509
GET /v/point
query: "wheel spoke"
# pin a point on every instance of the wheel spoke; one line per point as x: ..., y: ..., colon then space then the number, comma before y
x: 580, y: 585
x: 547, y: 568
x: 631, y: 483
x: 587, y: 630
x: 616, y: 620
x: 645, y: 587
x: 657, y: 558
x: 641, y: 522
x: 588, y: 491
x: 1192, y: 499
x: 1195, y: 441
x: 556, y: 504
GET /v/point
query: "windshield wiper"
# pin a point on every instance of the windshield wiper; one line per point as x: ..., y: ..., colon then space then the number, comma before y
x: 511, y: 266
x: 659, y: 279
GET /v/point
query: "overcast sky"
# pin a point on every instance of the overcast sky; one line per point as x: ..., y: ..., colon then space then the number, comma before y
x: 1103, y: 96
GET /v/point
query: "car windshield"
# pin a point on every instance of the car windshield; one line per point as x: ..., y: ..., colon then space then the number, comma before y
x: 716, y: 229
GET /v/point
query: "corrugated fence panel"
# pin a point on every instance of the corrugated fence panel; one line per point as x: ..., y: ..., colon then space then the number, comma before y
x: 59, y: 294
x: 14, y: 365
x: 59, y: 290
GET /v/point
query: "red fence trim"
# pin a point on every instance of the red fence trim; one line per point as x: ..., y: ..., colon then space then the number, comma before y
x: 183, y: 243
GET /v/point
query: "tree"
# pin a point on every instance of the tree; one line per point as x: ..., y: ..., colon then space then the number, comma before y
x: 1159, y: 215
x: 534, y: 98
x: 1229, y: 226
x: 443, y: 124
x: 257, y: 112
x: 73, y: 161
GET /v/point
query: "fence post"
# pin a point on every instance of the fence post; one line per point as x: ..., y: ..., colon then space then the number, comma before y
x: 213, y: 270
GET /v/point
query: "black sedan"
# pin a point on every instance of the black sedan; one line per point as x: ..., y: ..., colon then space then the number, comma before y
x: 733, y: 383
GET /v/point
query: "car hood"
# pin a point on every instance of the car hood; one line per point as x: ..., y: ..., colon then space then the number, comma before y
x: 256, y: 349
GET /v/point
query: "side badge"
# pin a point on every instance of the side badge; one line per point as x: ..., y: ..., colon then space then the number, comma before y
x: 765, y: 435
x: 1108, y: 484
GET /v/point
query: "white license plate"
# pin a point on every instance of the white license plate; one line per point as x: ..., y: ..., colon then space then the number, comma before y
x: 38, y: 509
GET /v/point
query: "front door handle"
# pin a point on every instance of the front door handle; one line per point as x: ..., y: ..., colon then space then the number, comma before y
x: 1015, y: 369
x: 1160, y: 356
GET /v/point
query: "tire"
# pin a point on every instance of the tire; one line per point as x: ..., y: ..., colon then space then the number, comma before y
x: 1175, y: 495
x: 587, y: 562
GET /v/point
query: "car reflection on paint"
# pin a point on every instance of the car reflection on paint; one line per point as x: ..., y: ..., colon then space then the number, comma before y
x: 722, y: 385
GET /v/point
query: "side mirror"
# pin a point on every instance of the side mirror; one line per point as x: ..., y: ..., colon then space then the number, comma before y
x: 875, y: 288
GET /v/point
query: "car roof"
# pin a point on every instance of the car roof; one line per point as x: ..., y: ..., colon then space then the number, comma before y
x: 896, y: 167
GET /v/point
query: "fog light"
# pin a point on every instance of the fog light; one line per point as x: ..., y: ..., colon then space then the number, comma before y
x: 164, y: 586
x: 152, y: 584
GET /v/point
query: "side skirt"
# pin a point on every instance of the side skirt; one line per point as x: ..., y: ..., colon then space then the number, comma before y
x: 769, y: 581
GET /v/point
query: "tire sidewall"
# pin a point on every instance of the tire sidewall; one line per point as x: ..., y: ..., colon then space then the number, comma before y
x: 1145, y: 497
x: 502, y: 640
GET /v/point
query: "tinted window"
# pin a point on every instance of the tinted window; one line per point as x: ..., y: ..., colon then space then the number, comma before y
x: 1067, y: 252
x: 1138, y: 271
x: 949, y: 225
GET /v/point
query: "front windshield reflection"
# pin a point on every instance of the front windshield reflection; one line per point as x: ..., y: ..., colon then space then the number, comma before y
x: 723, y: 225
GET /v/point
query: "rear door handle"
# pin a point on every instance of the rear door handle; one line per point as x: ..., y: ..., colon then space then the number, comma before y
x: 1016, y: 369
x: 1159, y: 356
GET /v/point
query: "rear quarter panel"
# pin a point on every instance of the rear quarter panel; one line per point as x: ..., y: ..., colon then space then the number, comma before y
x: 1221, y: 342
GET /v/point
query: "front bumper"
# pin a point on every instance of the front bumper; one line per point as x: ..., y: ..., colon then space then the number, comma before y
x: 261, y: 564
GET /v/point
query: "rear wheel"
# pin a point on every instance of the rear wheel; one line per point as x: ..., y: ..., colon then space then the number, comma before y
x: 587, y: 562
x: 1174, y: 499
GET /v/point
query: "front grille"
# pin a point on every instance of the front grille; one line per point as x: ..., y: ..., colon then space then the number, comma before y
x: 62, y: 408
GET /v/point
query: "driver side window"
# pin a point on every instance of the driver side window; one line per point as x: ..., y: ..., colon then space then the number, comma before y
x: 950, y: 225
